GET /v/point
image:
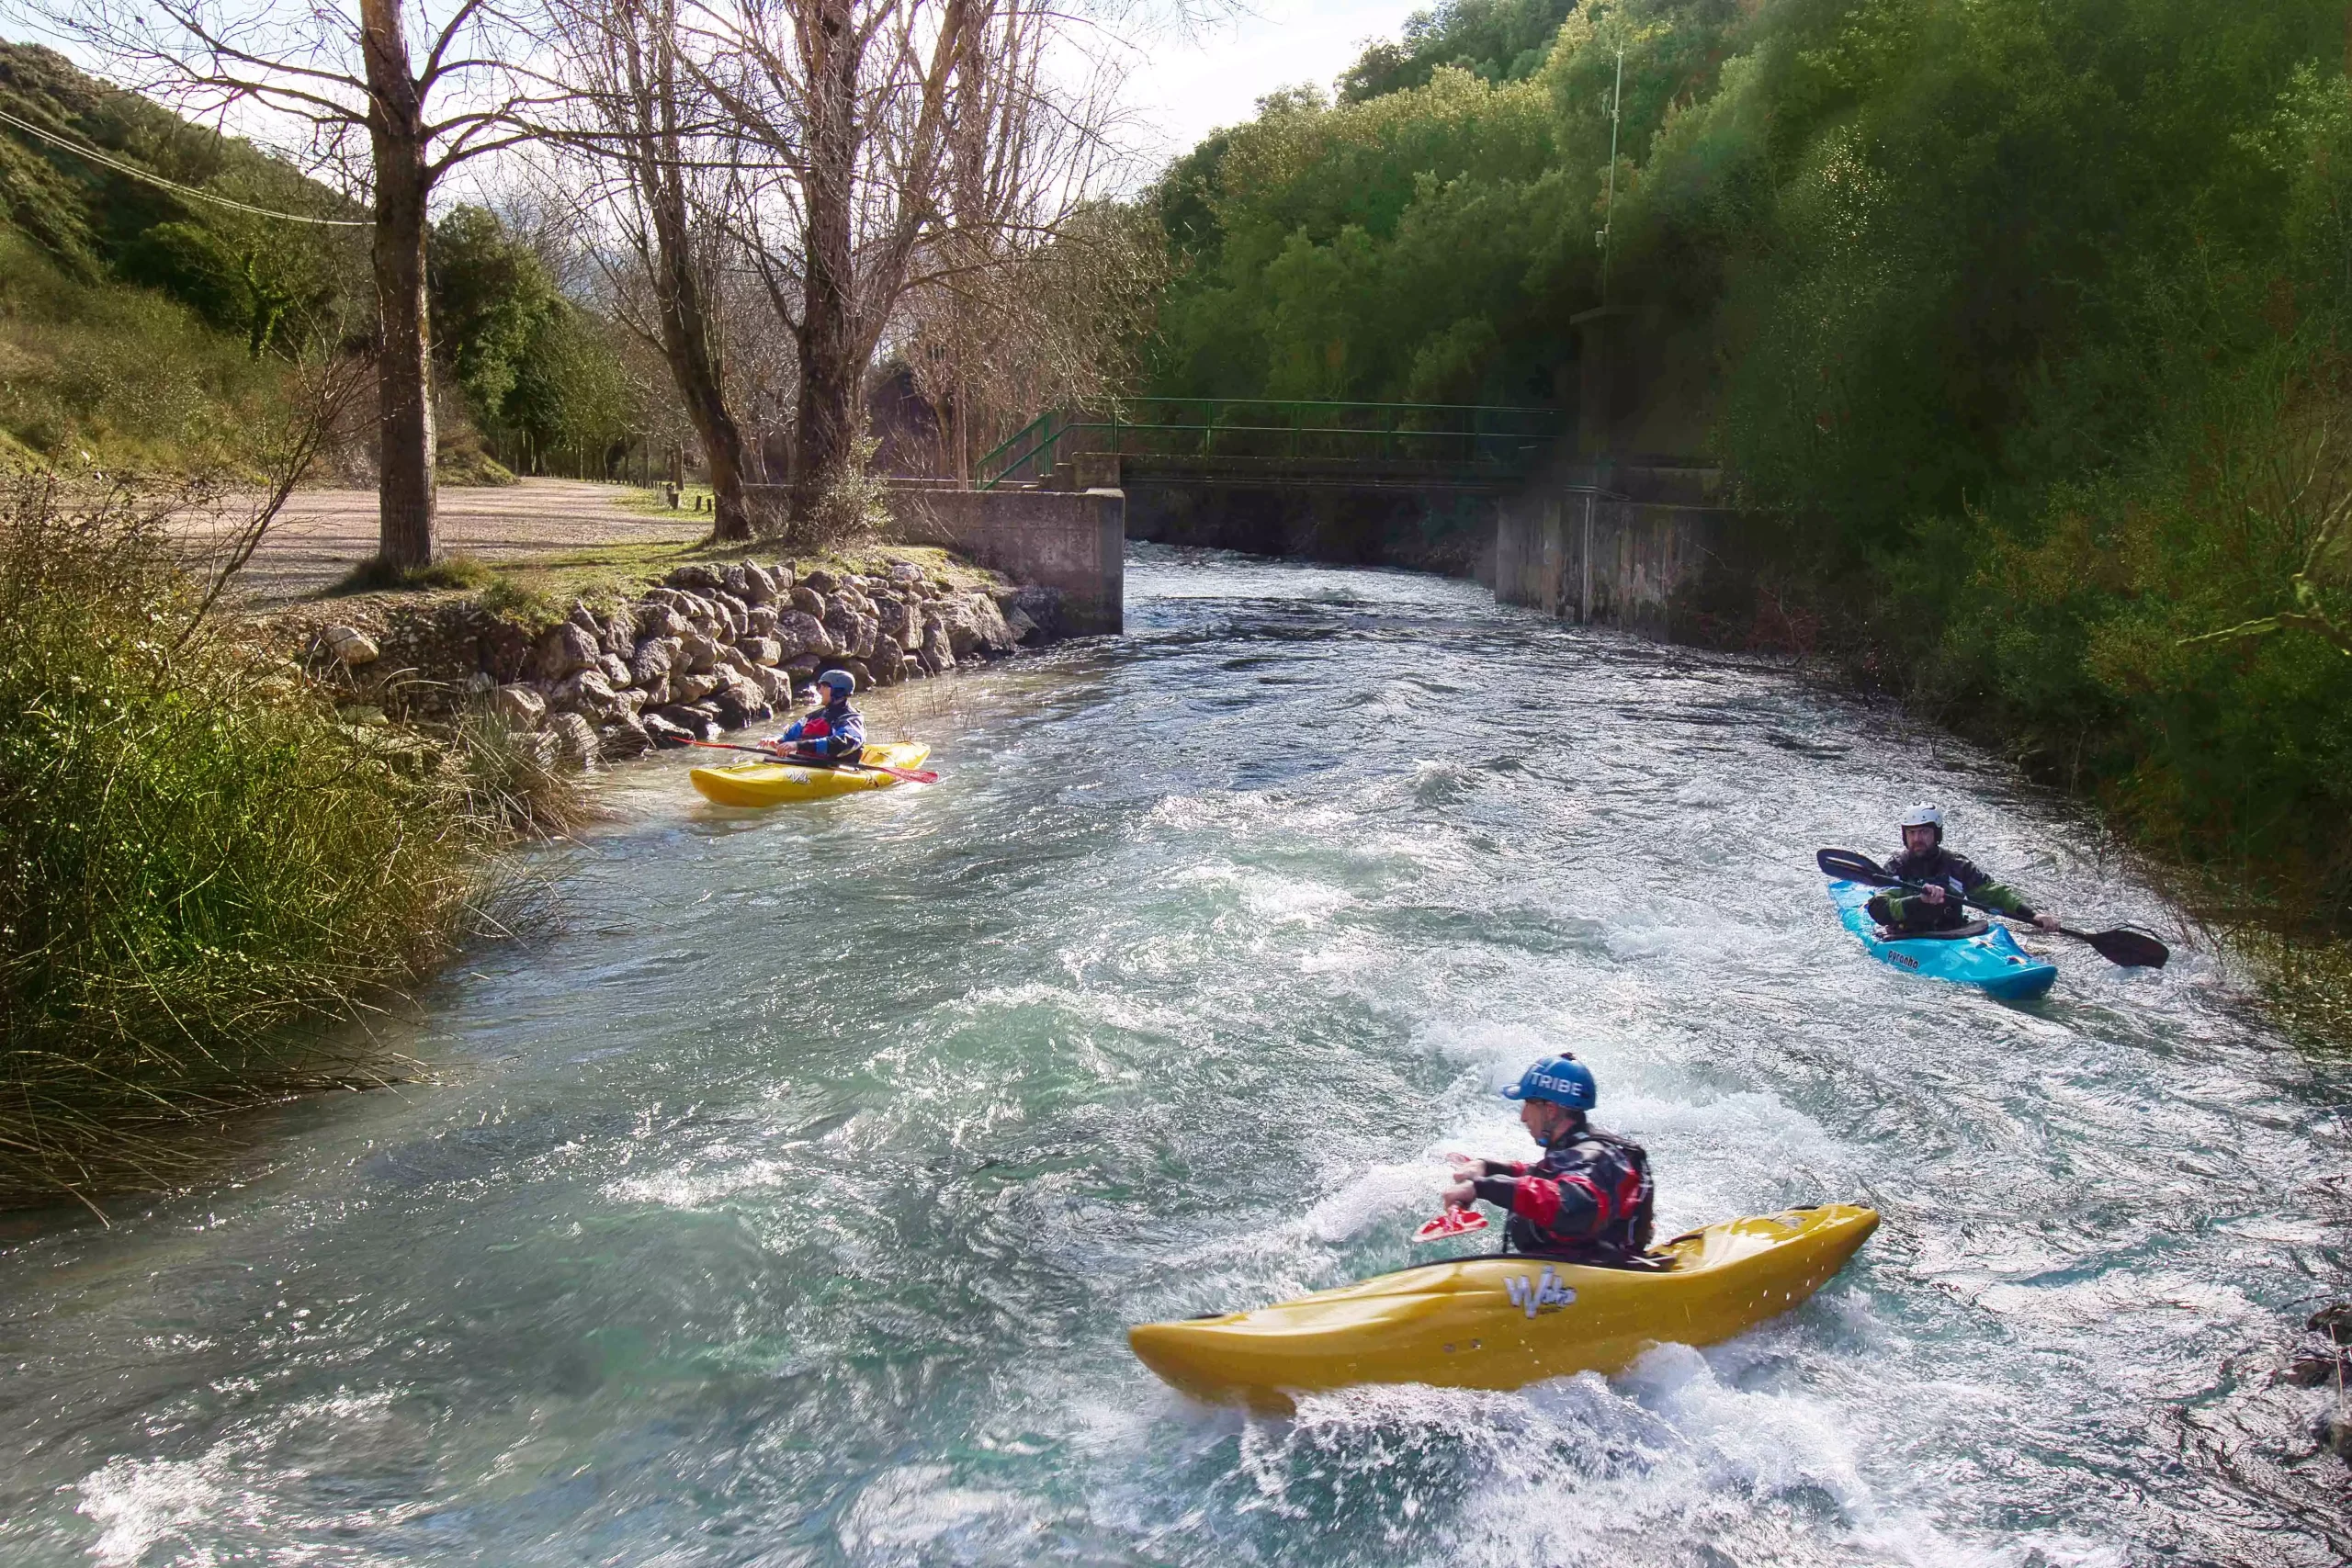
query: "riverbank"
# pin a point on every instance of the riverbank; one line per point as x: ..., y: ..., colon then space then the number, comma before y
x: 223, y: 829
x: 717, y: 645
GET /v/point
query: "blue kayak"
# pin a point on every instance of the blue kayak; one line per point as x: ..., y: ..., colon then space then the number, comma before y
x: 1982, y: 955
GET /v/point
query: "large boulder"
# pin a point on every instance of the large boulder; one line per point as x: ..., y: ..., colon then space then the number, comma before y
x: 821, y: 581
x: 691, y: 686
x: 938, y: 652
x: 686, y: 720
x: 741, y: 705
x: 521, y: 707
x: 777, y: 686
x: 889, y: 656
x: 587, y: 694
x: 759, y: 587
x: 653, y: 660
x: 1042, y: 607
x: 735, y: 613
x: 800, y: 633
x: 761, y: 649
x: 903, y: 571
x: 697, y: 653
x: 656, y: 619
x: 620, y: 635
x: 625, y: 736
x: 564, y: 650
x: 577, y: 737
x: 349, y: 645
x: 664, y: 734
x: 616, y: 672
x: 695, y: 579
x: 807, y: 599
x: 763, y: 620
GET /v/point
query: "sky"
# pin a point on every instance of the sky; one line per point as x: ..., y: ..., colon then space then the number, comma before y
x: 1184, y: 89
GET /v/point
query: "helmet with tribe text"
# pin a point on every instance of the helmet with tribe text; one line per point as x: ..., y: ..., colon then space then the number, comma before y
x: 1559, y: 1080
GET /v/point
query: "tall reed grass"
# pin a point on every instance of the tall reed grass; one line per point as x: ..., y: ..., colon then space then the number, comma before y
x: 195, y: 855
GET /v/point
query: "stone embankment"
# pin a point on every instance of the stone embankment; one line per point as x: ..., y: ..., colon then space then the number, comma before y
x: 715, y: 648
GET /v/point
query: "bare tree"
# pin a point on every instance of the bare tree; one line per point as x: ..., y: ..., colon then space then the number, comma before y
x: 642, y: 115
x: 883, y: 145
x: 339, y: 78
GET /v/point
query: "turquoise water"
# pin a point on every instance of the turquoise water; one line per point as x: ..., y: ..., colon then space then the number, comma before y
x: 785, y: 1203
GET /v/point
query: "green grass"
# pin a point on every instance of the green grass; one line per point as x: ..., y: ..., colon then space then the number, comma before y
x: 121, y: 378
x: 196, y: 856
x: 458, y: 572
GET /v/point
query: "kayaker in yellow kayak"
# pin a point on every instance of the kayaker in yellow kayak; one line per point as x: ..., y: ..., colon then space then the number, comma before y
x: 1947, y: 879
x: 1588, y: 1200
x: 833, y: 733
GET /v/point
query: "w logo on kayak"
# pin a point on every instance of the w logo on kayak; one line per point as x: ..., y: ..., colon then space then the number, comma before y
x: 1542, y: 1293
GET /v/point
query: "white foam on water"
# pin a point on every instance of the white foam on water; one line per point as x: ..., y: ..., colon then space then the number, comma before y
x: 142, y: 1503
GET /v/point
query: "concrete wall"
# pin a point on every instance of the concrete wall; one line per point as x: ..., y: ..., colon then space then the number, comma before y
x: 1619, y: 562
x: 1074, y: 541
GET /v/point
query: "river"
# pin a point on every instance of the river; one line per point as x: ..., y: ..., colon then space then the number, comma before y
x: 784, y: 1200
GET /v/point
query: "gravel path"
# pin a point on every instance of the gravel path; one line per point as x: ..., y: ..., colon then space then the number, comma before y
x: 324, y: 532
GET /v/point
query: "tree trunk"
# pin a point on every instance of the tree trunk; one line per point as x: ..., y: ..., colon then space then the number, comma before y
x: 831, y: 375
x: 690, y: 339
x: 405, y: 436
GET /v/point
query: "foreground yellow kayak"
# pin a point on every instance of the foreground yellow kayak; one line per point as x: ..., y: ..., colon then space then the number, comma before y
x: 1505, y: 1322
x: 773, y: 783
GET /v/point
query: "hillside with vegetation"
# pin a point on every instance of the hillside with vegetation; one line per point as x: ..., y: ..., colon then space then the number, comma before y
x: 2026, y: 328
x: 148, y: 327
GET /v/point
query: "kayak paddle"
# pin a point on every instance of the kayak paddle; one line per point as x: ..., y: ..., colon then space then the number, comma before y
x: 912, y: 776
x: 2131, y: 949
x: 1451, y: 1223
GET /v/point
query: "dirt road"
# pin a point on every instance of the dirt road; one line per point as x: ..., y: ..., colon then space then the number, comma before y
x: 324, y: 532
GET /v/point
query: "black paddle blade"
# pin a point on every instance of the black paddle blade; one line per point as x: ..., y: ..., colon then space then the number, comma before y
x: 2133, y: 950
x: 1848, y: 866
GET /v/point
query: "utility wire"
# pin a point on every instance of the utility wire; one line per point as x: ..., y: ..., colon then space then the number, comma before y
x: 95, y: 156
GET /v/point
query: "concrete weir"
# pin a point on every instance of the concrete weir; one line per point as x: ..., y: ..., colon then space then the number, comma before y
x: 1614, y: 546
x: 1072, y: 541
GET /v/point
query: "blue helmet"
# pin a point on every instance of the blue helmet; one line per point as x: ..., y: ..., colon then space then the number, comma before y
x: 840, y: 681
x: 1560, y: 1080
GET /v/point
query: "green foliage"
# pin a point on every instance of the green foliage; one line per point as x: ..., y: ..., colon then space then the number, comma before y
x: 539, y: 373
x: 192, y: 852
x: 124, y: 376
x: 2028, y: 321
x: 1495, y: 40
x: 114, y: 292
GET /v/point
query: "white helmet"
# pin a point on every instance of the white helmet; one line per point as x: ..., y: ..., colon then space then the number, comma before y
x: 1926, y: 816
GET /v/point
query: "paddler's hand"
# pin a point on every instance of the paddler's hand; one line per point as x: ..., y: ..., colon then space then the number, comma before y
x: 2046, y: 922
x: 1460, y: 1194
x: 1932, y: 894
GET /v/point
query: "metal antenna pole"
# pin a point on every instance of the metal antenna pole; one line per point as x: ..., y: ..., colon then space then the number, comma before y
x: 1608, y: 210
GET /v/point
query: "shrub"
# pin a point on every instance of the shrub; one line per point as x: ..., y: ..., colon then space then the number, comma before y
x: 194, y: 854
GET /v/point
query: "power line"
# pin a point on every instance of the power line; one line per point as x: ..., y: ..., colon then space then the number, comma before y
x: 95, y: 156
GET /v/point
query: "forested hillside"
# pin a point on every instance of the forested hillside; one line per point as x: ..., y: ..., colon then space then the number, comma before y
x: 2027, y: 325
x: 143, y: 327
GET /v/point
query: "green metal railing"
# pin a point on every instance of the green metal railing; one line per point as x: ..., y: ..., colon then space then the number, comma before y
x: 1274, y: 430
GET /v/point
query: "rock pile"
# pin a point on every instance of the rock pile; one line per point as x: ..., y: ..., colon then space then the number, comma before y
x: 715, y: 648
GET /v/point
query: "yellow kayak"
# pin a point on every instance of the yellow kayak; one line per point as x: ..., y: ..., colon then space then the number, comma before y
x: 1503, y: 1323
x: 773, y: 783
